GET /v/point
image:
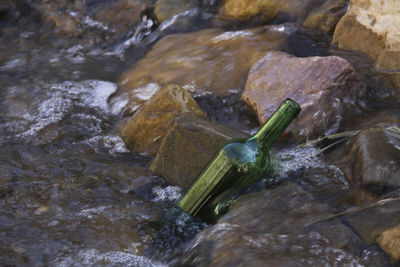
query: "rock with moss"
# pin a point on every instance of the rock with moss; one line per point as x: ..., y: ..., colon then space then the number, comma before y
x: 189, y: 144
x: 148, y: 126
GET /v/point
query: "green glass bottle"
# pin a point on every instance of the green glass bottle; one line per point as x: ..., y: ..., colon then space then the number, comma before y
x: 236, y: 165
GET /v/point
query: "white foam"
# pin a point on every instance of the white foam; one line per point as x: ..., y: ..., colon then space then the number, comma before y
x: 93, y: 257
x: 169, y: 193
x: 231, y: 35
x: 147, y: 91
x: 64, y: 97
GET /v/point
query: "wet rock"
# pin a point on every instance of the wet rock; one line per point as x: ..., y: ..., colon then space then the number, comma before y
x: 212, y: 59
x: 327, y: 88
x: 146, y: 129
x: 275, y: 228
x: 282, y: 10
x: 165, y: 9
x: 189, y: 144
x: 372, y: 219
x: 374, y: 157
x: 326, y: 16
x: 389, y: 241
x: 369, y: 26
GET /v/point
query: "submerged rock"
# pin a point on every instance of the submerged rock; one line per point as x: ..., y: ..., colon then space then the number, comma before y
x: 146, y: 129
x: 165, y: 9
x: 287, y: 10
x: 213, y: 59
x: 92, y: 23
x: 189, y: 144
x: 327, y: 89
x: 371, y: 220
x: 389, y: 241
x: 275, y: 228
x: 326, y: 16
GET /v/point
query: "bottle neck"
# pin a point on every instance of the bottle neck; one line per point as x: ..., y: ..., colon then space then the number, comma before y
x: 277, y: 124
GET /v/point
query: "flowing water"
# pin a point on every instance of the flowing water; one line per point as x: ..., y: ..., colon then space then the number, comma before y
x: 71, y: 194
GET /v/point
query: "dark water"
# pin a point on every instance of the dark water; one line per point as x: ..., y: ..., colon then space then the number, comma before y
x: 71, y: 194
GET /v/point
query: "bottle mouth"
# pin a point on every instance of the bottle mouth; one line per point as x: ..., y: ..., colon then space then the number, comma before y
x: 290, y: 105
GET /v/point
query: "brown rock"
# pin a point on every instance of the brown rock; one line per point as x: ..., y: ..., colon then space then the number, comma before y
x: 325, y: 87
x: 351, y: 35
x: 373, y: 27
x: 212, y: 59
x: 370, y: 27
x: 289, y: 10
x: 189, y: 144
x: 165, y: 9
x: 389, y: 241
x: 326, y: 16
x: 145, y: 131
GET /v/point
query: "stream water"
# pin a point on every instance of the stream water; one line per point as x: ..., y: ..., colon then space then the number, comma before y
x: 71, y: 194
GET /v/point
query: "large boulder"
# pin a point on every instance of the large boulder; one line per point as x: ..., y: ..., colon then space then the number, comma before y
x: 326, y: 16
x: 212, y: 59
x: 189, y: 144
x: 327, y: 89
x: 147, y: 128
x: 369, y: 26
x: 275, y: 227
x: 373, y: 27
x: 288, y: 10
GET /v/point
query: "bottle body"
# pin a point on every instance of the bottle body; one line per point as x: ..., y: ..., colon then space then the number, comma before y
x: 236, y: 165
